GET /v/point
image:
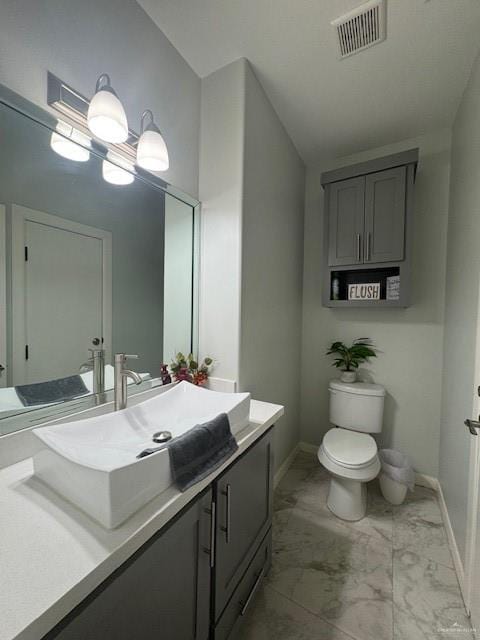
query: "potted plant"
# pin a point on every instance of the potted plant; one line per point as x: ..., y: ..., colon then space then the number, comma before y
x: 187, y: 368
x: 348, y: 359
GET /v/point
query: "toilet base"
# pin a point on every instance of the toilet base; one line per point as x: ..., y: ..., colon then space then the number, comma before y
x: 347, y: 499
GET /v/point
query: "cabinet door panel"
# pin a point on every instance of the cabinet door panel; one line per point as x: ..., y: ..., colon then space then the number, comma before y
x: 162, y: 592
x: 346, y: 221
x: 385, y: 215
x: 244, y: 514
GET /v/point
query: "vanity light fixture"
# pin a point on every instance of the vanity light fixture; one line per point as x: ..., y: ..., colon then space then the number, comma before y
x: 116, y: 170
x: 70, y: 142
x: 152, y: 153
x: 106, y: 116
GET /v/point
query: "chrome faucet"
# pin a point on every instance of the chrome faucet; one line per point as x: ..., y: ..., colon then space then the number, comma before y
x: 96, y: 363
x: 121, y: 378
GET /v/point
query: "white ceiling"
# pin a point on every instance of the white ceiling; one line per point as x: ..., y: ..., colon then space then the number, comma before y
x: 405, y: 86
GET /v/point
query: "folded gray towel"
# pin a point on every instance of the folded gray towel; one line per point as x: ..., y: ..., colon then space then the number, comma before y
x: 51, y: 391
x: 201, y: 450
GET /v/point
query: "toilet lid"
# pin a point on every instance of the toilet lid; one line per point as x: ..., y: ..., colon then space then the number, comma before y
x: 349, y: 448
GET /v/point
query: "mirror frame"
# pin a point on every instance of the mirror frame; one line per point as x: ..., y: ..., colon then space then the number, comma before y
x: 46, y: 119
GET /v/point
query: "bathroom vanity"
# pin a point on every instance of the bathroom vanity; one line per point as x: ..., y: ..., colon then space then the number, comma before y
x: 217, y: 549
x: 187, y: 565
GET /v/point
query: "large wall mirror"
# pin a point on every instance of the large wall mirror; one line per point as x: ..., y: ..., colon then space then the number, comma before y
x: 91, y: 257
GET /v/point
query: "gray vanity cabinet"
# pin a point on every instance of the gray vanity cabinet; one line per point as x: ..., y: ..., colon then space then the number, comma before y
x: 385, y: 215
x: 162, y: 592
x: 346, y: 221
x: 243, y: 497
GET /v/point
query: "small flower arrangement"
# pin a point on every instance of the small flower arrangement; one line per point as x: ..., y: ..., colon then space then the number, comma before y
x: 187, y: 368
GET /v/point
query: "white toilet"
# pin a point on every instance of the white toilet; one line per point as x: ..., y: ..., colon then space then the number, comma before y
x: 347, y: 451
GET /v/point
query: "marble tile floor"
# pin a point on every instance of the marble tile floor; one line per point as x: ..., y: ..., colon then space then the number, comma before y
x: 389, y: 576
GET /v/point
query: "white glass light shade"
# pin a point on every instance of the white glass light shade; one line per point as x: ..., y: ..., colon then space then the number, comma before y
x: 152, y: 153
x: 115, y: 173
x: 106, y: 117
x: 70, y: 143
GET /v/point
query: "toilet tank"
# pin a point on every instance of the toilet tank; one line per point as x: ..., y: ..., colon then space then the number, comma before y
x: 357, y: 406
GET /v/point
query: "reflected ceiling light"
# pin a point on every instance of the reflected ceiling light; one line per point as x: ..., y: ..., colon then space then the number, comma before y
x: 70, y: 143
x: 106, y: 116
x: 118, y: 173
x: 152, y: 153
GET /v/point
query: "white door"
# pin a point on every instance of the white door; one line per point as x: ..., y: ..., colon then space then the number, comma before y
x: 61, y: 295
x: 3, y: 300
x: 63, y: 300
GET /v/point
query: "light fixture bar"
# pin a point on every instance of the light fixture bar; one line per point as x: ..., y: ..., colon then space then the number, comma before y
x: 74, y: 106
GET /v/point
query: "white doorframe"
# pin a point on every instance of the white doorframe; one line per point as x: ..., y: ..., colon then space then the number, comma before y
x: 3, y: 296
x: 21, y: 215
x: 472, y: 546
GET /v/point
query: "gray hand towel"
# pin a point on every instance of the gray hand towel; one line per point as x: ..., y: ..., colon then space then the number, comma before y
x: 51, y: 391
x: 201, y: 450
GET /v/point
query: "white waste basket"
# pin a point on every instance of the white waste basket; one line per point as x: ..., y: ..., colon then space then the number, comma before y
x: 396, y: 475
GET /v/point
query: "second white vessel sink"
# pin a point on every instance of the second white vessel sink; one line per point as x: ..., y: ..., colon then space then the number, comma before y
x: 93, y: 462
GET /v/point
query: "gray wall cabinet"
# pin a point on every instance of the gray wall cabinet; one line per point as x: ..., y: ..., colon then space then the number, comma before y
x: 346, y: 221
x: 368, y: 230
x: 385, y: 215
x: 195, y: 579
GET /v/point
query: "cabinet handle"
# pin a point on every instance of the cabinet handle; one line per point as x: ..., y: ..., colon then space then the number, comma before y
x: 227, y: 493
x: 359, y: 243
x: 368, y: 247
x: 252, y: 593
x: 211, y: 551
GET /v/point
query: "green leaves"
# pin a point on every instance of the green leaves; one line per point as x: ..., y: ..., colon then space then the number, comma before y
x: 350, y: 358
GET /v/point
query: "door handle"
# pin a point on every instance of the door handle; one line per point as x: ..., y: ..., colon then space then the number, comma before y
x: 472, y: 426
x: 359, y: 244
x: 252, y: 592
x: 2, y: 368
x: 227, y: 493
x: 367, y: 250
x: 211, y: 551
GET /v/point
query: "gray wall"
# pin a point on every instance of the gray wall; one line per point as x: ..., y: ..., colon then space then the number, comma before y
x: 252, y: 192
x: 461, y: 309
x: 221, y: 185
x: 410, y: 365
x: 78, y: 41
x: 272, y: 264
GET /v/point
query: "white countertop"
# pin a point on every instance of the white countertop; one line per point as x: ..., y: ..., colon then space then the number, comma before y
x: 52, y: 555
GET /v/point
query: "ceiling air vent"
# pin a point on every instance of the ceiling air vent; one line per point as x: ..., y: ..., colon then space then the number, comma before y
x: 361, y: 28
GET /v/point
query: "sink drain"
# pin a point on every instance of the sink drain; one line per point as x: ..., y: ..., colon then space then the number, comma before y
x: 162, y: 436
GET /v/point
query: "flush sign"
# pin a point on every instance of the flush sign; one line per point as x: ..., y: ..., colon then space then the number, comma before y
x: 366, y: 291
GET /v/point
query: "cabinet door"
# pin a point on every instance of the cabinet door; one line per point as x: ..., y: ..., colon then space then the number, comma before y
x: 244, y: 514
x: 385, y: 215
x: 163, y: 591
x: 346, y: 221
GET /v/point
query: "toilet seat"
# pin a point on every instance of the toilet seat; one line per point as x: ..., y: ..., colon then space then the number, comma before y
x: 349, y: 449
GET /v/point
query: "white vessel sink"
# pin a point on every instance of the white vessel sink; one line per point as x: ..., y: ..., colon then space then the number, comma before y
x: 93, y: 462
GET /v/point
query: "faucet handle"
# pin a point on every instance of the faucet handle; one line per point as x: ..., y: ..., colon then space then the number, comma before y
x: 131, y: 357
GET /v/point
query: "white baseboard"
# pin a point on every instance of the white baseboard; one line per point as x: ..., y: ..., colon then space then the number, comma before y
x: 433, y: 483
x: 306, y: 447
x: 452, y: 543
x: 428, y: 482
x: 285, y: 466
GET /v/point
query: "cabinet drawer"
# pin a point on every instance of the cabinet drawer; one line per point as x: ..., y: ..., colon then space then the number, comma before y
x: 244, y: 515
x: 244, y: 595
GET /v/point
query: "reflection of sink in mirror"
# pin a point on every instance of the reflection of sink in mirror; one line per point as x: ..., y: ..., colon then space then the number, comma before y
x: 93, y: 462
x: 11, y: 403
